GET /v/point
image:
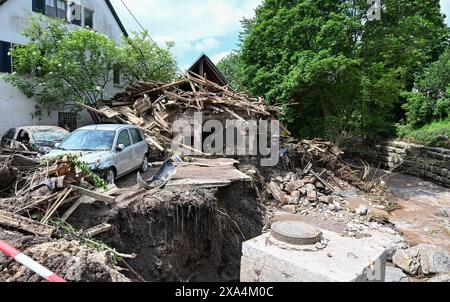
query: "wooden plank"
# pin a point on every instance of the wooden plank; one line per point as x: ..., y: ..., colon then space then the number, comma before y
x: 108, y: 112
x: 94, y: 195
x: 160, y: 88
x: 38, y: 203
x: 56, y: 205
x: 234, y: 114
x: 199, y: 183
x: 142, y: 105
x: 99, y: 229
x: 71, y: 210
x: 19, y: 222
x: 322, y: 181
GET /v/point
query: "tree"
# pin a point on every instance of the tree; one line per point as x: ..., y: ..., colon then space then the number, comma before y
x: 303, y: 53
x: 325, y: 53
x: 142, y: 59
x: 431, y: 101
x: 60, y: 67
x: 411, y: 35
x: 231, y: 68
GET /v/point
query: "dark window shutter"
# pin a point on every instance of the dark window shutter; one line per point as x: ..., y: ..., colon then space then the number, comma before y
x: 39, y: 6
x: 5, y: 59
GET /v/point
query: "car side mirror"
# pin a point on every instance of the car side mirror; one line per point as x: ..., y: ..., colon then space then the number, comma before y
x: 120, y: 147
x: 57, y: 145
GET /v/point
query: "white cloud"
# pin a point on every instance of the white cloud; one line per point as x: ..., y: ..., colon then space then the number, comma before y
x: 192, y: 25
x: 217, y: 57
x: 206, y: 44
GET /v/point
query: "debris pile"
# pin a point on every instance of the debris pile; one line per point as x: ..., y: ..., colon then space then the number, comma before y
x: 154, y: 106
x: 39, y: 197
x: 74, y: 261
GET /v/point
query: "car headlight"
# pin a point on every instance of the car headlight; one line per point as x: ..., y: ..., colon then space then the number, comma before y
x: 93, y: 166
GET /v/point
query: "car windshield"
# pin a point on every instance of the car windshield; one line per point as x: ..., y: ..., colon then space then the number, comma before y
x: 88, y: 140
x: 49, y: 135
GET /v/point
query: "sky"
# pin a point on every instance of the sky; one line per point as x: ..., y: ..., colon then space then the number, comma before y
x: 196, y: 26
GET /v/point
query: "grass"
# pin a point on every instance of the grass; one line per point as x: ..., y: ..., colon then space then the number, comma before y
x: 436, y: 134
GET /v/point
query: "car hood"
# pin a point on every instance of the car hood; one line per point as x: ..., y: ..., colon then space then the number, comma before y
x: 88, y: 157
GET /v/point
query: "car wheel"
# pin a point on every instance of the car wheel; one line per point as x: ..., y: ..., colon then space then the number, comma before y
x: 144, y: 165
x: 110, y: 176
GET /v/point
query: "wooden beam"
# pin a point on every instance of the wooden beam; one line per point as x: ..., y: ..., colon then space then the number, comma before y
x: 94, y: 195
x: 99, y: 229
x: 19, y: 222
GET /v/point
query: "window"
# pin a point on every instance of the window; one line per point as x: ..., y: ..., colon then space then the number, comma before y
x: 56, y: 9
x: 5, y: 58
x: 75, y: 14
x: 116, y: 75
x: 39, y: 6
x: 89, y: 18
x: 124, y: 139
x: 67, y: 120
x: 136, y: 136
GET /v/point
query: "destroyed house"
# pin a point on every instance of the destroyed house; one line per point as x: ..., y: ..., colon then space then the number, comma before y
x: 155, y: 107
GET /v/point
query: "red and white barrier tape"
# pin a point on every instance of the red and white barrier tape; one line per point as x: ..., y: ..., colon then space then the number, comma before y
x: 29, y: 263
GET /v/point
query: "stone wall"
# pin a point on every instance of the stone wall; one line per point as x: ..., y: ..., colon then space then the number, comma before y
x: 425, y: 162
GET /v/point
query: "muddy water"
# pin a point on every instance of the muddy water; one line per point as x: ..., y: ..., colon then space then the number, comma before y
x: 421, y: 201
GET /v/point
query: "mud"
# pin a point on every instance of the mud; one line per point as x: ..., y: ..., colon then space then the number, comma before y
x: 67, y: 258
x: 180, y: 234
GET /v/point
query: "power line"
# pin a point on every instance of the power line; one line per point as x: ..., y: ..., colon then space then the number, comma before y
x: 146, y: 32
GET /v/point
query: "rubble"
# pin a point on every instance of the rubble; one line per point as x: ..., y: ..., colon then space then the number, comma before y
x: 440, y: 278
x: 423, y: 259
x: 394, y: 274
x: 68, y: 258
x: 154, y: 107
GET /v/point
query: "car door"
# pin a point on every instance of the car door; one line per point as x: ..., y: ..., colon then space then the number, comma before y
x: 139, y: 146
x: 125, y: 161
x: 22, y: 140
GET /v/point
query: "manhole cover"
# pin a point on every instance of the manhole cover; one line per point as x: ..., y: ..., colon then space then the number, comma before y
x: 295, y: 232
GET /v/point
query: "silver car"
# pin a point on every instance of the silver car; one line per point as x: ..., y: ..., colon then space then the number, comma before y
x: 110, y: 150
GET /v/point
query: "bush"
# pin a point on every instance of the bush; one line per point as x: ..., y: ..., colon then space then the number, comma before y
x: 436, y: 134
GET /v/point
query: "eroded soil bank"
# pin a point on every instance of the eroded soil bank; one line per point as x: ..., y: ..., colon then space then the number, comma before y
x: 180, y: 234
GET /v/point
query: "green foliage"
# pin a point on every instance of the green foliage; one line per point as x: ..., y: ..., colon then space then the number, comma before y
x: 346, y: 74
x: 87, y: 172
x: 60, y: 67
x: 231, y: 68
x: 142, y: 60
x: 432, y: 100
x: 89, y: 242
x: 436, y: 134
x: 81, y: 166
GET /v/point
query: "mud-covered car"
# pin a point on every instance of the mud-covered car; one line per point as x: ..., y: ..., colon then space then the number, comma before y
x: 40, y: 139
x: 111, y: 151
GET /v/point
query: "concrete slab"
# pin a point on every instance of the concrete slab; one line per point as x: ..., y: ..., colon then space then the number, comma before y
x: 342, y: 260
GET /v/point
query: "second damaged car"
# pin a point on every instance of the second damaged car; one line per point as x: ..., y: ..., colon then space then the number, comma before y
x: 111, y: 151
x: 41, y: 139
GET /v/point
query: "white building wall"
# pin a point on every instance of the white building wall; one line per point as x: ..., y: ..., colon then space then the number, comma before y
x: 15, y: 108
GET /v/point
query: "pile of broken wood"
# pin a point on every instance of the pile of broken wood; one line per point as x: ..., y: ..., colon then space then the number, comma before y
x: 154, y: 106
x: 38, y: 192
